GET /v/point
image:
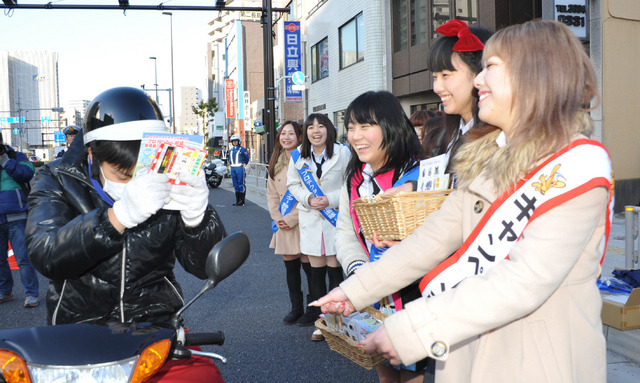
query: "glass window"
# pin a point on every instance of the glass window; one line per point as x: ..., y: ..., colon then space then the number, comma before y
x: 351, y: 42
x: 320, y: 60
x: 400, y: 13
x: 440, y: 14
x: 467, y: 10
x: 419, y: 22
x: 338, y: 117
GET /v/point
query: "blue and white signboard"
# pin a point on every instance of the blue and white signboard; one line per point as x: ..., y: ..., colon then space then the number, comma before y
x: 292, y: 58
x: 46, y: 119
x: 11, y: 120
x: 59, y: 137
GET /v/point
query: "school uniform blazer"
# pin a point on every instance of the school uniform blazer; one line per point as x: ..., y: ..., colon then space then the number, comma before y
x: 312, y: 224
x: 532, y: 318
x: 283, y: 241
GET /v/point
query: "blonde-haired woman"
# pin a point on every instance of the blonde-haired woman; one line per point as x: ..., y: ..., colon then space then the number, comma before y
x: 518, y: 301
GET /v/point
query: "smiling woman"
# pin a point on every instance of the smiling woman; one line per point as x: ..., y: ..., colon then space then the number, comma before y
x: 385, y: 152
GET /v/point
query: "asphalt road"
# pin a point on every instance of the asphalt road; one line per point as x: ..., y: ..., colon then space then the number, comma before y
x: 248, y: 307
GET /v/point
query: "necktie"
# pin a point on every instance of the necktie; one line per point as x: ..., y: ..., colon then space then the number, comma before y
x: 318, y: 166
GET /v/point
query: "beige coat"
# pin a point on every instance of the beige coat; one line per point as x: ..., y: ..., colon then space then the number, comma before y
x: 313, y: 226
x: 532, y: 318
x: 285, y: 242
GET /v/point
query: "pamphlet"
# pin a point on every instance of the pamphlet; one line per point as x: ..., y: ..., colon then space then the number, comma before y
x: 170, y: 154
x: 432, y: 175
x: 151, y: 145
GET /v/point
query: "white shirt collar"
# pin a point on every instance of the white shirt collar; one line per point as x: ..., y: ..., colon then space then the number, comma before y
x: 464, y: 128
x: 501, y: 140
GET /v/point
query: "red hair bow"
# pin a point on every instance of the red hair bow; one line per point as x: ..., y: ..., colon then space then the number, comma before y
x: 467, y: 41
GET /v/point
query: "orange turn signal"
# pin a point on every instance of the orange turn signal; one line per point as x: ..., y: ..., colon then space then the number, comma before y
x: 150, y: 361
x: 14, y: 369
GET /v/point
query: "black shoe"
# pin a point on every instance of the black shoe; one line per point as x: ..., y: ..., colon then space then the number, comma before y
x: 308, y: 319
x: 292, y: 317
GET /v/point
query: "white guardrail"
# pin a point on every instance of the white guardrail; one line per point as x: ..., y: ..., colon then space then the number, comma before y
x: 631, y: 233
x: 257, y: 175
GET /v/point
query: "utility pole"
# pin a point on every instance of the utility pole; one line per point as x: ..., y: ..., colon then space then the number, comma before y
x: 268, y: 115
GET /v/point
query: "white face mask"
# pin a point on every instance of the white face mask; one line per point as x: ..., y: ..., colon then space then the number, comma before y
x: 114, y: 189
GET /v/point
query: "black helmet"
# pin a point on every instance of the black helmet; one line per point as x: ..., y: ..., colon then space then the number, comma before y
x: 122, y: 114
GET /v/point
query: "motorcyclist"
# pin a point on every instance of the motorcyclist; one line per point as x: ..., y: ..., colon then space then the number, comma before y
x: 238, y: 158
x: 103, y: 238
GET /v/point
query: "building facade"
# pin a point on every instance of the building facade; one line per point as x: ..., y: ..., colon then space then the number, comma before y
x: 190, y: 123
x: 29, y: 99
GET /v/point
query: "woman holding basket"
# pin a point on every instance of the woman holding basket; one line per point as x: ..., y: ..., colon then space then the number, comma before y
x: 518, y: 301
x: 384, y: 153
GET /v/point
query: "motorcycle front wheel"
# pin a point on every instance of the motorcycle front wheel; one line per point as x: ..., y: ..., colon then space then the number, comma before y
x: 214, y: 182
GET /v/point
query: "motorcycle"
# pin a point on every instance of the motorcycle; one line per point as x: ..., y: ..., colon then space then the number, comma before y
x: 214, y: 173
x: 120, y: 352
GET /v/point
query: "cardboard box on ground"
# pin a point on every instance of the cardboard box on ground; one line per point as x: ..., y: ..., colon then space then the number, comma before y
x: 621, y: 311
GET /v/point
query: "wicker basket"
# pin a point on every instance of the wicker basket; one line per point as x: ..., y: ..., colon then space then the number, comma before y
x: 344, y: 345
x: 395, y: 216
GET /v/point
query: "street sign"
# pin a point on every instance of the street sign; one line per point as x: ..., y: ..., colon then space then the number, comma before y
x: 297, y: 87
x: 16, y: 131
x: 12, y: 120
x: 46, y: 119
x: 297, y: 78
x: 59, y: 137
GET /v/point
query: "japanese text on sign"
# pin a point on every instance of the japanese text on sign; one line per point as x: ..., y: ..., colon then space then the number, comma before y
x: 292, y: 58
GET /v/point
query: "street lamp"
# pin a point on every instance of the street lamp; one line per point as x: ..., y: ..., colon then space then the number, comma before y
x: 156, y: 84
x: 172, y: 99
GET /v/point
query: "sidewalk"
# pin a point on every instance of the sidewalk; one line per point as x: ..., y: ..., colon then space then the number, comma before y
x: 623, y: 347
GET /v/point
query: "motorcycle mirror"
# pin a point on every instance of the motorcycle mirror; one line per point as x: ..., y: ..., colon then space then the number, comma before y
x: 227, y: 256
x: 223, y: 260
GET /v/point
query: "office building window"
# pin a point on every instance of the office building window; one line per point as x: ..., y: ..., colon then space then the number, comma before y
x: 338, y: 118
x: 467, y: 11
x: 419, y: 22
x: 440, y: 14
x: 351, y: 47
x: 320, y: 60
x: 400, y: 25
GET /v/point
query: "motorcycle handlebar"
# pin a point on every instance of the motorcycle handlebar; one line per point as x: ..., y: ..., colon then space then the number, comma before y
x: 203, y: 338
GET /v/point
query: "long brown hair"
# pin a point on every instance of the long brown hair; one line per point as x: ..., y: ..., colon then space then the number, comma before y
x: 278, y: 152
x: 553, y: 83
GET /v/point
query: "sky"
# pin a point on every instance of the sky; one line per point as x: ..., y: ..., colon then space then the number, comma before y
x: 101, y: 49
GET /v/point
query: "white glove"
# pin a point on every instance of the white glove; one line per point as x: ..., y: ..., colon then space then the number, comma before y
x: 143, y: 196
x: 192, y: 199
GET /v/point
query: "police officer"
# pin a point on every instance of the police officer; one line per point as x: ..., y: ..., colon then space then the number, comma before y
x: 238, y: 158
x: 70, y: 133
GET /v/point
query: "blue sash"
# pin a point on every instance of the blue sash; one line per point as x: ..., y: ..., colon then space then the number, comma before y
x: 413, y: 174
x: 286, y: 205
x: 306, y: 175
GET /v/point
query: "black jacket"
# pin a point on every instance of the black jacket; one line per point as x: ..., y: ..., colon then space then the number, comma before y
x: 97, y: 274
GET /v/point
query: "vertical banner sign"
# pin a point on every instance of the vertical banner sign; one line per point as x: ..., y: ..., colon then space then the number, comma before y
x: 230, y: 98
x: 575, y: 14
x: 246, y: 104
x: 292, y: 58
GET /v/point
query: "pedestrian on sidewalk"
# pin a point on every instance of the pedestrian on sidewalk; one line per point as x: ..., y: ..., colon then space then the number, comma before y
x: 384, y: 154
x: 315, y: 176
x: 283, y: 211
x: 528, y: 223
x: 238, y: 159
x: 15, y: 174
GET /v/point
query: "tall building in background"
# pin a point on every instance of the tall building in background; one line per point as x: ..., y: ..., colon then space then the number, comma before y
x: 29, y: 99
x: 74, y: 112
x: 235, y: 53
x: 189, y: 121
